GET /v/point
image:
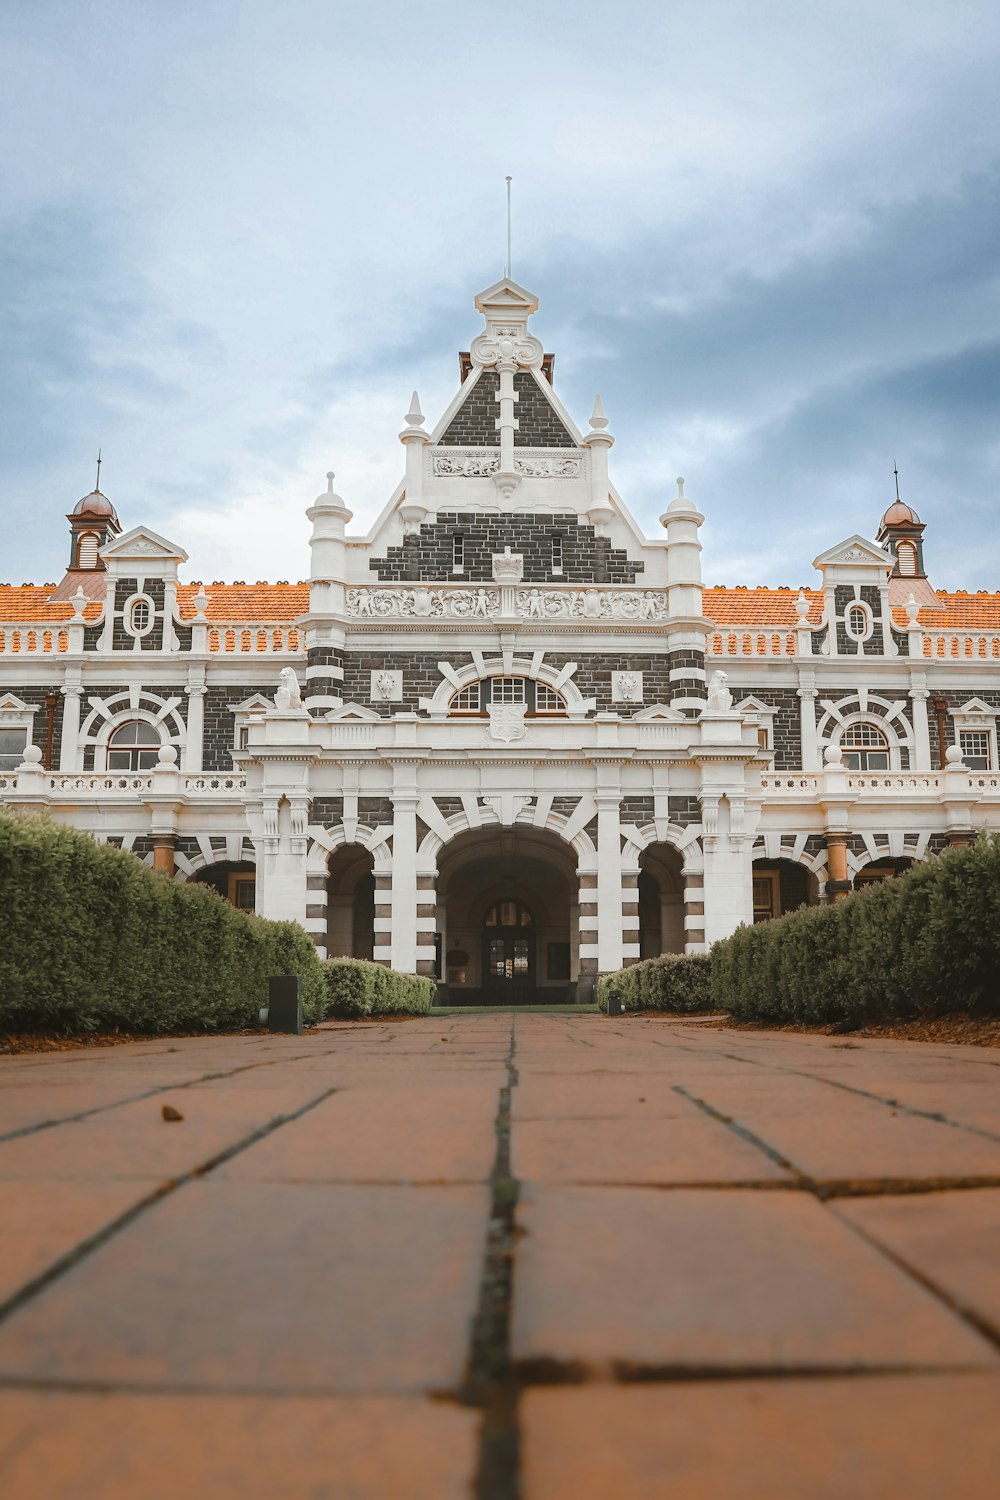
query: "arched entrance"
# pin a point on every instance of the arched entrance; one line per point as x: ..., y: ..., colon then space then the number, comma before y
x: 508, y: 918
x: 350, y: 903
x: 781, y: 886
x: 661, y: 901
x: 235, y: 881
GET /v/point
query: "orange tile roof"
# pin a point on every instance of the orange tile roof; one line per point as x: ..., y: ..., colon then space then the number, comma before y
x: 249, y: 602
x: 961, y: 612
x: 759, y: 606
x: 28, y: 602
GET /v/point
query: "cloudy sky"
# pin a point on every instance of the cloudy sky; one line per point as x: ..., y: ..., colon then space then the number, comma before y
x: 234, y: 234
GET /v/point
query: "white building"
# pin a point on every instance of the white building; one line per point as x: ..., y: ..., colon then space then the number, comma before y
x: 514, y: 763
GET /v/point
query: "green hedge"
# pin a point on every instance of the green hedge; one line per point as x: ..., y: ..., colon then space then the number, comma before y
x: 924, y: 944
x: 357, y: 987
x: 678, y: 982
x: 92, y: 940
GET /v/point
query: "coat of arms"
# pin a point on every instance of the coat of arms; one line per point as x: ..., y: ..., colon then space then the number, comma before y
x: 507, y: 721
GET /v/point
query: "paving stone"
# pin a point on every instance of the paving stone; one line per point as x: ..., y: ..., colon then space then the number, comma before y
x: 635, y: 1096
x: 733, y: 1279
x: 872, y: 1438
x: 445, y: 1133
x: 260, y: 1286
x: 620, y: 1151
x: 121, y: 1447
x: 42, y: 1221
x: 953, y: 1239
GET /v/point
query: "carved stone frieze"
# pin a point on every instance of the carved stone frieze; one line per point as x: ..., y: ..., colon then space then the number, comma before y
x: 642, y: 605
x: 481, y: 463
x: 420, y: 603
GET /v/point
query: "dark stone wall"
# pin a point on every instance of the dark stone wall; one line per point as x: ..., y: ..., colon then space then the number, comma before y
x: 474, y: 424
x: 155, y: 588
x: 637, y: 810
x: 374, y: 811
x: 786, y: 725
x: 587, y: 558
x: 326, y: 811
x: 684, y: 687
x: 953, y: 700
x: 220, y: 725
x: 684, y: 810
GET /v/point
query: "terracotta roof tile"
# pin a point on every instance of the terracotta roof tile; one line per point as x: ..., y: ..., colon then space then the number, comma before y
x: 759, y: 606
x: 252, y: 603
x: 27, y: 602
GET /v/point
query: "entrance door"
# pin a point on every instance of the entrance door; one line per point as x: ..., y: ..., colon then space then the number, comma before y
x: 508, y: 954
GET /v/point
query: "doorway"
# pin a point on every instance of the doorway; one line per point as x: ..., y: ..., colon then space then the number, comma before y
x: 508, y: 954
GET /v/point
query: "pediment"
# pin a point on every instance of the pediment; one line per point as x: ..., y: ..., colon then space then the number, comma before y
x: 662, y: 712
x: 855, y: 552
x: 754, y: 706
x: 11, y: 705
x: 255, y: 705
x: 144, y: 545
x: 505, y: 296
x: 354, y: 711
x: 974, y: 706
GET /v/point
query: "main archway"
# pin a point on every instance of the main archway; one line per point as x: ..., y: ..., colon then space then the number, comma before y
x: 508, y: 917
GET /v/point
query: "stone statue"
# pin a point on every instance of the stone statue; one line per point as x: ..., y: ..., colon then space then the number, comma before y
x: 288, y: 694
x: 720, y: 699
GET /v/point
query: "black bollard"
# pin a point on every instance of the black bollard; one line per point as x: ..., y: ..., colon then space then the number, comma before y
x: 284, y: 1004
x: 615, y: 1007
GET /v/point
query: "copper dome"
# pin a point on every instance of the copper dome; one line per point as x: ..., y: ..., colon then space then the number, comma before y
x: 95, y: 504
x: 899, y: 514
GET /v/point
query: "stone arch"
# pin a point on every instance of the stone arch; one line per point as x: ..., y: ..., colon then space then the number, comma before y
x: 324, y: 842
x: 109, y: 714
x: 888, y: 715
x: 239, y: 849
x: 530, y: 813
x: 686, y: 841
x: 895, y: 844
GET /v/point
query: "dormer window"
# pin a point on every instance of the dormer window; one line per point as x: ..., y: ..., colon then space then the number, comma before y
x: 458, y: 553
x: 86, y: 552
x: 557, y: 556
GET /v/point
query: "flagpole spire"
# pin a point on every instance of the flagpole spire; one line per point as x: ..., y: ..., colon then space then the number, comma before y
x: 508, y: 232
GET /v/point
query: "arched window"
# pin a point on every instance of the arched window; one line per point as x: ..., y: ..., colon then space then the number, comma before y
x: 858, y: 622
x: 906, y: 557
x: 86, y: 551
x: 865, y: 748
x: 536, y: 697
x: 133, y: 747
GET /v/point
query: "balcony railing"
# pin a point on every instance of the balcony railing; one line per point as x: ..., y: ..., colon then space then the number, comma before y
x: 104, y: 784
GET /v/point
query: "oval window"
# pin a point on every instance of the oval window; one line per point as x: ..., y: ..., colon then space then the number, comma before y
x: 858, y: 622
x: 140, y: 617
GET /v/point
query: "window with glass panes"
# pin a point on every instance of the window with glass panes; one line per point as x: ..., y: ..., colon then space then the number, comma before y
x: 976, y: 748
x: 12, y: 743
x: 865, y: 748
x: 537, y: 697
x: 467, y: 701
x: 134, y: 747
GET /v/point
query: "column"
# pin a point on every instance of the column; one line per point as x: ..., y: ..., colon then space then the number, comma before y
x: 194, y: 748
x: 163, y: 855
x: 838, y: 883
x: 921, y: 728
x: 69, y: 745
x: 610, y: 948
x: 807, y: 721
x: 694, y: 909
x: 403, y: 938
x: 728, y: 890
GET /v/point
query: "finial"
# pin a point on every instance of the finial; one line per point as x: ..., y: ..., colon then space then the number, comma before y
x: 330, y: 476
x: 802, y: 606
x: 97, y: 486
x: 414, y: 417
x: 680, y: 489
x: 912, y: 610
x: 509, y: 276
x: 896, y: 474
x: 79, y: 602
x: 598, y: 420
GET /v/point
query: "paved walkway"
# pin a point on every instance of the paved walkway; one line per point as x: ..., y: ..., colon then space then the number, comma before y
x: 548, y: 1259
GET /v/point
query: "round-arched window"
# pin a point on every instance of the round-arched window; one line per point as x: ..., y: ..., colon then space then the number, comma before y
x: 133, y: 747
x: 865, y: 748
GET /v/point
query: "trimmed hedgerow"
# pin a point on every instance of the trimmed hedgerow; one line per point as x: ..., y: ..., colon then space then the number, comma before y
x: 94, y: 941
x: 357, y: 987
x: 924, y: 944
x: 678, y: 982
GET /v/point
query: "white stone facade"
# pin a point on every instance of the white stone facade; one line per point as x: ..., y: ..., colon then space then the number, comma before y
x: 505, y: 737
